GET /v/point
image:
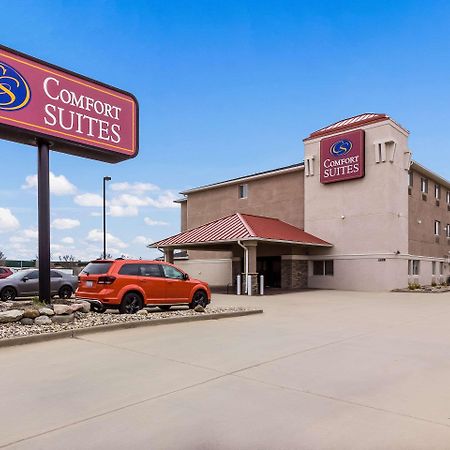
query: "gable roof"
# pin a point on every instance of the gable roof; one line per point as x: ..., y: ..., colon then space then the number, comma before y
x: 351, y: 122
x: 242, y: 227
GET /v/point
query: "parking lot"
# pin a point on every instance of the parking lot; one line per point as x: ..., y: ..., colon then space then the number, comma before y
x: 317, y: 370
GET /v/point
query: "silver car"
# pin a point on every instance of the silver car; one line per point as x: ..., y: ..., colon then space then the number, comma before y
x: 25, y: 283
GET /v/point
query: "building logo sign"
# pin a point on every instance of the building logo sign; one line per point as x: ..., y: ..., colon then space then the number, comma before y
x: 342, y: 157
x: 15, y: 93
x: 73, y: 113
x: 341, y: 148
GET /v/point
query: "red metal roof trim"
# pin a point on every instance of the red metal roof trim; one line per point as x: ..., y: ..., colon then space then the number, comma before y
x: 346, y: 124
x: 242, y: 227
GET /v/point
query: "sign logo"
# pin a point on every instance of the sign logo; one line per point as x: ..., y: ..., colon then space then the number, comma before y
x: 15, y: 93
x: 342, y: 157
x: 341, y: 148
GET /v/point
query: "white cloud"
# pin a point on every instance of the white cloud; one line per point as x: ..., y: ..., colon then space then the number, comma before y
x: 130, y: 200
x: 123, y: 211
x: 89, y: 199
x: 65, y: 224
x: 164, y: 201
x: 24, y: 236
x: 68, y: 240
x: 8, y: 222
x: 142, y: 240
x: 59, y: 184
x: 152, y: 222
x: 96, y: 235
x: 134, y: 187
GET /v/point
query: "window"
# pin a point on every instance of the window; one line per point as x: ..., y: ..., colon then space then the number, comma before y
x: 447, y: 230
x: 34, y: 275
x: 424, y: 185
x: 415, y: 267
x: 55, y: 274
x: 437, y: 191
x: 433, y: 267
x: 150, y: 270
x: 448, y: 197
x: 411, y: 179
x: 323, y: 267
x: 441, y: 268
x: 96, y: 268
x: 243, y: 190
x: 129, y: 269
x: 171, y: 272
x: 437, y: 227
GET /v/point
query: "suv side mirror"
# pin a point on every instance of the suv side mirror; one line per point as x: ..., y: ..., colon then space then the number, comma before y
x: 25, y: 279
x: 185, y: 277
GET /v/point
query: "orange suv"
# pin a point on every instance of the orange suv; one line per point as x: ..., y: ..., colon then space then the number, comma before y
x: 132, y: 284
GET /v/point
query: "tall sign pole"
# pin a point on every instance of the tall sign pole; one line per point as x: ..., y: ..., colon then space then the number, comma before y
x: 43, y: 103
x: 44, y: 221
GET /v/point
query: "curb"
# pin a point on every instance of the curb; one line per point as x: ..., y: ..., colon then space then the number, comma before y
x: 21, y: 340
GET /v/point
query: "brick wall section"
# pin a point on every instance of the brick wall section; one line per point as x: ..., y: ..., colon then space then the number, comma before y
x: 422, y: 241
x: 294, y: 274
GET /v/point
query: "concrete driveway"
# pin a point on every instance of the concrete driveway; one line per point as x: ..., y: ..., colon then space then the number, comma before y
x: 317, y: 370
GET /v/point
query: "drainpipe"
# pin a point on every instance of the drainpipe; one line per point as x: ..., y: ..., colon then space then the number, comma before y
x: 246, y: 265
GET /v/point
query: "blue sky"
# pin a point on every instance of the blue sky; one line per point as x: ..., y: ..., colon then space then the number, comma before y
x: 225, y: 89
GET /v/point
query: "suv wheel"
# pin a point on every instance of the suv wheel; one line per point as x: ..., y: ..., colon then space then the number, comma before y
x: 199, y: 298
x: 131, y: 303
x: 65, y: 292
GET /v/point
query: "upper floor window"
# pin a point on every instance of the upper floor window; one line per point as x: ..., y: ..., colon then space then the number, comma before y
x: 424, y: 185
x: 447, y: 230
x: 437, y: 227
x: 411, y: 178
x: 243, y: 190
x: 437, y: 191
x: 448, y: 197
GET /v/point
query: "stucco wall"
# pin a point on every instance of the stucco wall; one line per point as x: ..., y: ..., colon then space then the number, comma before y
x: 368, y: 274
x: 216, y: 272
x: 363, y: 217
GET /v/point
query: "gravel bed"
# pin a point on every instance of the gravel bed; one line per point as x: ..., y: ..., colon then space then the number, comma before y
x: 87, y: 320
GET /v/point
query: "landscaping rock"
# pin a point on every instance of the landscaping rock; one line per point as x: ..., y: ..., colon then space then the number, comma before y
x: 142, y: 312
x: 26, y: 321
x: 66, y: 318
x: 76, y: 307
x: 199, y: 309
x: 86, y: 307
x: 46, y: 312
x: 62, y: 309
x: 42, y: 320
x: 12, y: 315
x: 31, y: 313
x: 6, y: 305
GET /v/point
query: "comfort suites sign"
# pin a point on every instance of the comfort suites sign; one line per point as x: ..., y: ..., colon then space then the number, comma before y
x: 73, y: 113
x: 342, y: 157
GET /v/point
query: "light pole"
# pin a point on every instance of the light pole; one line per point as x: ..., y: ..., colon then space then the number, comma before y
x: 105, y: 179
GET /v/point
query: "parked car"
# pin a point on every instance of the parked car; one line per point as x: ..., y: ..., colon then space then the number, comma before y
x: 5, y: 272
x: 129, y: 285
x: 25, y: 283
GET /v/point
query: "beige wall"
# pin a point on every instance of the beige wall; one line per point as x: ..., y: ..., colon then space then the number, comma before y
x: 422, y: 214
x: 366, y: 217
x: 216, y: 272
x: 183, y: 216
